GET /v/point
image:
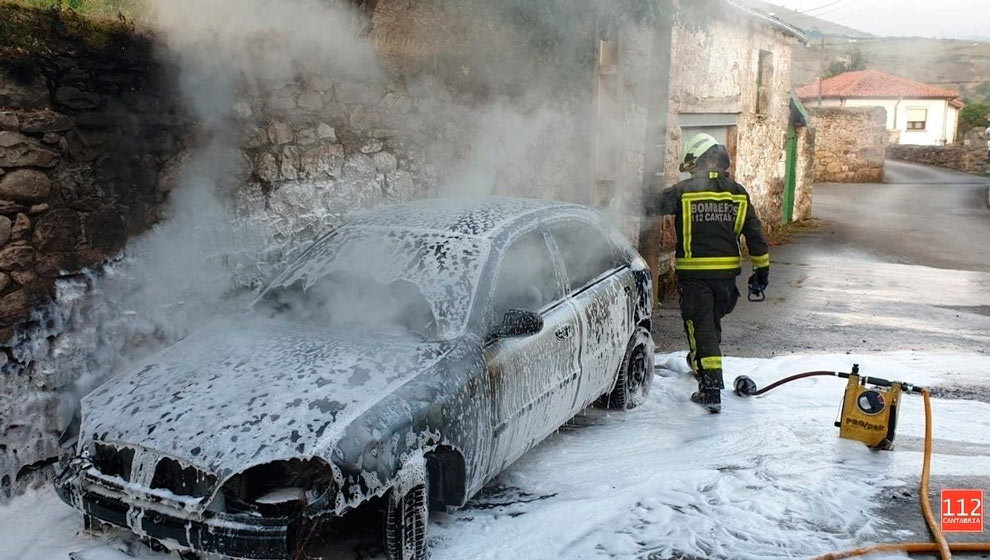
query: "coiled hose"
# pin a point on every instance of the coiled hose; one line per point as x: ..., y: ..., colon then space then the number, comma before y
x: 940, y: 545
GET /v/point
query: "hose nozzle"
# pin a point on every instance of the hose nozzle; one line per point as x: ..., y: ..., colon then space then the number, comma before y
x: 744, y: 386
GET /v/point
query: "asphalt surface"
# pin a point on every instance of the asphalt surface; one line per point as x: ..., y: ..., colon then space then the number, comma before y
x: 903, y: 265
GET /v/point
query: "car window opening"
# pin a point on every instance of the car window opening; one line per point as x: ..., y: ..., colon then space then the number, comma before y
x: 587, y: 254
x: 527, y: 280
x: 352, y: 302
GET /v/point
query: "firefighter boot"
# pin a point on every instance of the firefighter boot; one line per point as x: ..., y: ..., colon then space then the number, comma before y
x: 709, y: 394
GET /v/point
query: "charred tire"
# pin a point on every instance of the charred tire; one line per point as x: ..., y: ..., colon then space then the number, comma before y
x: 406, y: 518
x: 635, y: 375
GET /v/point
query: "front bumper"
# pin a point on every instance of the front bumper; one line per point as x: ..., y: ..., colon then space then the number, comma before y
x: 237, y: 537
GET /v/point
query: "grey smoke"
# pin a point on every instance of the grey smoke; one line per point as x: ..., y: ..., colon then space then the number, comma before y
x: 218, y: 243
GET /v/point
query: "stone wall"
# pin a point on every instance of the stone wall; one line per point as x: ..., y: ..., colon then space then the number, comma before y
x: 88, y: 124
x: 84, y: 135
x: 850, y: 144
x: 316, y: 151
x: 440, y: 119
x: 969, y: 156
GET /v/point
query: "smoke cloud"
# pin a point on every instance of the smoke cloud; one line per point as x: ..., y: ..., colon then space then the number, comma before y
x: 496, y: 115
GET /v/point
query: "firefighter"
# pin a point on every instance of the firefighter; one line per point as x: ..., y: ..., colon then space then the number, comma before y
x: 711, y: 212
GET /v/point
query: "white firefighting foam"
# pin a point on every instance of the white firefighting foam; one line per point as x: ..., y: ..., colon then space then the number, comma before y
x: 766, y: 479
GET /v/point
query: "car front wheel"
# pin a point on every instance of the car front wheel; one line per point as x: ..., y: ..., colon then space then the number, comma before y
x: 406, y: 517
x: 635, y: 375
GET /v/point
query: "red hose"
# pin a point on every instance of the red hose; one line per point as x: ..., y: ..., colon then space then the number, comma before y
x: 795, y: 377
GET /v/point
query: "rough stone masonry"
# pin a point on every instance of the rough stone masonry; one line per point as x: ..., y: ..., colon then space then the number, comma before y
x: 849, y: 144
x: 88, y: 124
x: 969, y: 156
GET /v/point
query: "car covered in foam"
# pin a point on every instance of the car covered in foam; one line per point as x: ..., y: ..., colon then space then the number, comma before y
x: 408, y: 356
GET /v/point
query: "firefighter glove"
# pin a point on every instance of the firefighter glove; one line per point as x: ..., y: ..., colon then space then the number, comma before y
x: 758, y: 284
x: 760, y: 277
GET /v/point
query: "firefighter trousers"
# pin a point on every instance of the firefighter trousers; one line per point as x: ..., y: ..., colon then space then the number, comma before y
x: 703, y: 304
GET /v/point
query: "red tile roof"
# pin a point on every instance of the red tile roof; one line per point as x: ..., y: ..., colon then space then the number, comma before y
x: 874, y: 84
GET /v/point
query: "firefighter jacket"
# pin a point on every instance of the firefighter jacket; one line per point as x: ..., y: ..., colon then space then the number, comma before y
x: 711, y: 212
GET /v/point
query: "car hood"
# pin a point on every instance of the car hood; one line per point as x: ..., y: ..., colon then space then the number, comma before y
x: 242, y: 393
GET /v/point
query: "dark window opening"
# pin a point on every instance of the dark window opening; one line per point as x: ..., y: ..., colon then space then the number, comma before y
x: 526, y: 279
x: 764, y: 81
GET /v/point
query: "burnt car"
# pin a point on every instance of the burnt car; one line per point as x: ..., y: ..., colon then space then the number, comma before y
x: 408, y: 356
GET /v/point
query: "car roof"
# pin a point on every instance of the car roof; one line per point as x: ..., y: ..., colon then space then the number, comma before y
x: 477, y: 217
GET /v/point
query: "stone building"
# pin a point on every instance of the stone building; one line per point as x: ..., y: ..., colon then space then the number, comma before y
x: 729, y: 76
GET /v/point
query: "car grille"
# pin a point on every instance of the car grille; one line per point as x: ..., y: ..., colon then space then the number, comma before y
x: 184, y: 481
x: 113, y: 461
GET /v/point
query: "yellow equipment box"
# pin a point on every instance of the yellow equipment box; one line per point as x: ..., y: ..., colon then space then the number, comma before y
x: 869, y: 413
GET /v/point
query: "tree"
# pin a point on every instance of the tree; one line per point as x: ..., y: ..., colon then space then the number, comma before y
x: 974, y: 116
x: 853, y: 60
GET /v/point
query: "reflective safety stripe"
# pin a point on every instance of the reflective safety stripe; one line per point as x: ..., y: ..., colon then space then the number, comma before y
x: 713, y: 195
x: 760, y: 261
x: 686, y: 225
x: 711, y: 362
x: 709, y: 263
x: 693, y: 355
x: 741, y: 216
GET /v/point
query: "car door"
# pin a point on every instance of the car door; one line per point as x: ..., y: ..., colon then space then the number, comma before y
x: 603, y: 300
x: 532, y: 379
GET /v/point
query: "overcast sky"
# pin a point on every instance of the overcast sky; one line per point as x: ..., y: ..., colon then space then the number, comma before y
x: 957, y: 19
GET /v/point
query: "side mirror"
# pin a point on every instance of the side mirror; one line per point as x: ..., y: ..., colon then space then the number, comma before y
x: 519, y: 322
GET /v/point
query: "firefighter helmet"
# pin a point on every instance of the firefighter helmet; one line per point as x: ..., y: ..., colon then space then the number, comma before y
x: 696, y: 147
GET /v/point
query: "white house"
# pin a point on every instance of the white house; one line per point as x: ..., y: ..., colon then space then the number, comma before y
x: 917, y: 113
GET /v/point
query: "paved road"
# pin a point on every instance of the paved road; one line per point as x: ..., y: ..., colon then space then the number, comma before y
x: 921, y: 215
x: 903, y: 265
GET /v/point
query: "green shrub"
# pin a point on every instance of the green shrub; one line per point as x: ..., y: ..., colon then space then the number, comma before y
x: 128, y: 9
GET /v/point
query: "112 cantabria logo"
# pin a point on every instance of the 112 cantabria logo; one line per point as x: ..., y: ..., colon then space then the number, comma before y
x: 962, y: 511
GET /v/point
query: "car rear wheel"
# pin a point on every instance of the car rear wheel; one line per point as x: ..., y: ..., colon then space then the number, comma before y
x: 406, y: 517
x: 635, y: 375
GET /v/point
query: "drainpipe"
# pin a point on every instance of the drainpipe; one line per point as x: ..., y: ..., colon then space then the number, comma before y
x: 896, y: 106
x: 945, y: 123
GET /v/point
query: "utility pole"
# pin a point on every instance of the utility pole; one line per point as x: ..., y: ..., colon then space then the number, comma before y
x: 821, y: 71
